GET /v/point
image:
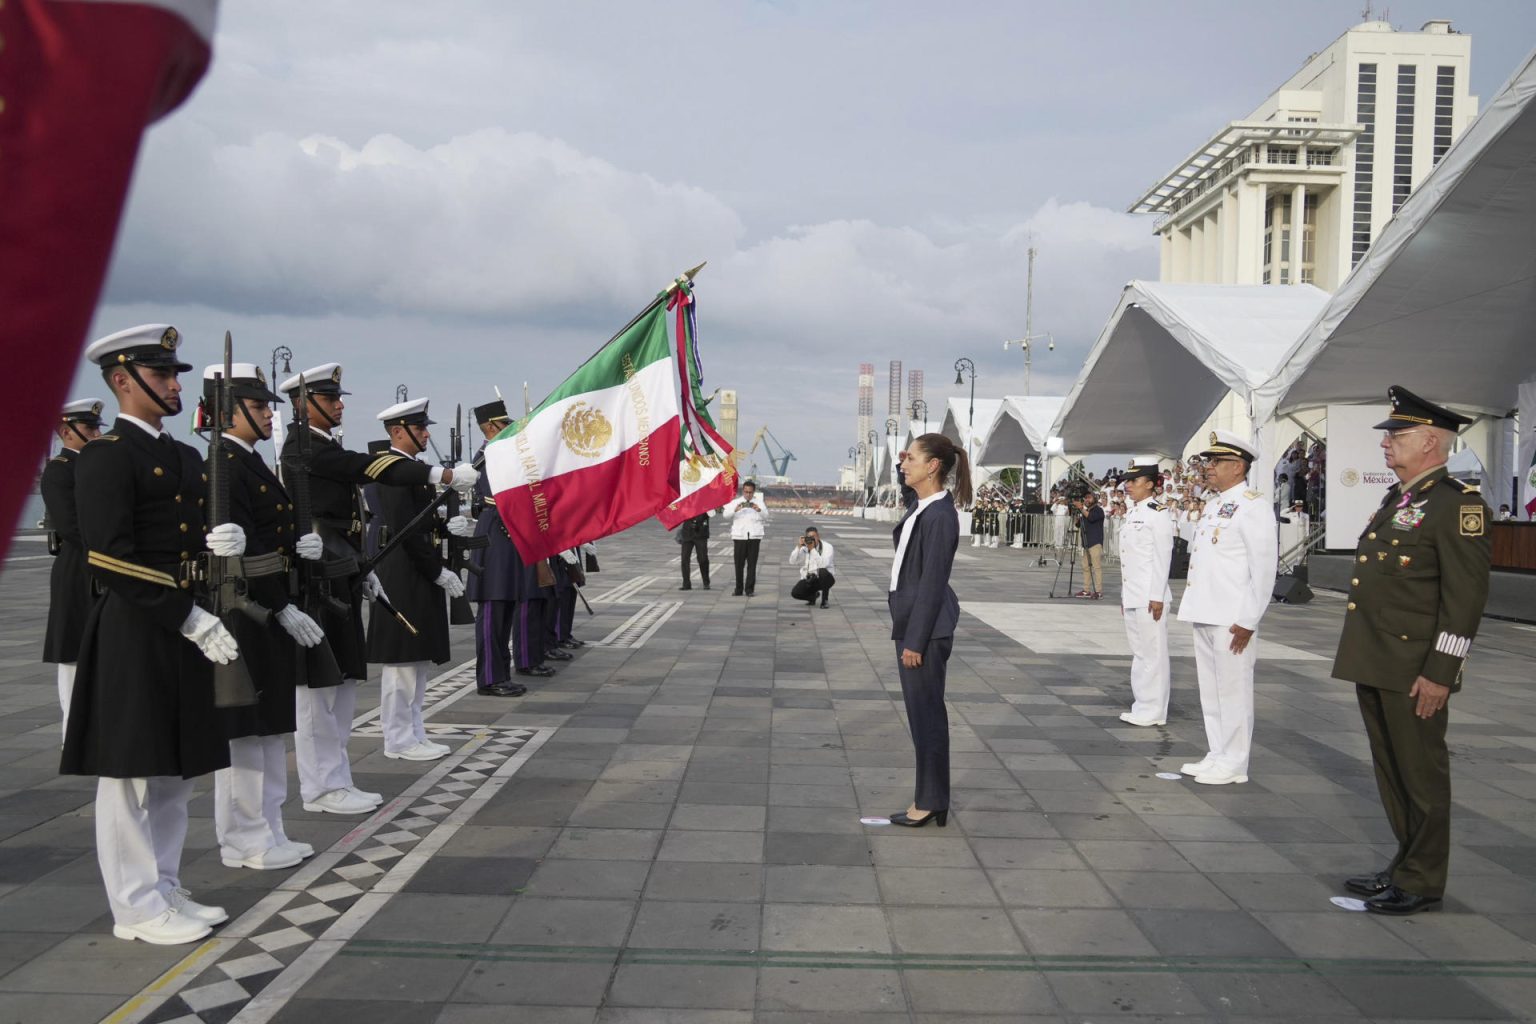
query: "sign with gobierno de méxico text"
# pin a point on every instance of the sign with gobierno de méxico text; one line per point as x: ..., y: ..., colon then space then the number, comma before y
x: 1357, y: 471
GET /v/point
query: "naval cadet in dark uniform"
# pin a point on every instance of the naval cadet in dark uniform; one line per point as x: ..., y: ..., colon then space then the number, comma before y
x: 491, y: 589
x: 416, y: 576
x: 142, y: 717
x: 335, y: 476
x: 69, y: 585
x: 1416, y: 597
x: 248, y: 796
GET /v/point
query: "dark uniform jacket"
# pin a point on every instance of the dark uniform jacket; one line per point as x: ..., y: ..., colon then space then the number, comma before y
x: 504, y: 576
x: 923, y: 605
x: 1419, y: 584
x: 143, y: 700
x: 409, y: 574
x: 261, y: 507
x: 69, y: 585
x: 336, y: 505
x: 696, y: 528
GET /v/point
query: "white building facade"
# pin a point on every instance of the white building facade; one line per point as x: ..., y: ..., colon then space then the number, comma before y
x: 1325, y: 160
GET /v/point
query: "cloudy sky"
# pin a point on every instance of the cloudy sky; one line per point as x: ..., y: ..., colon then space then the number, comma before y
x: 465, y: 194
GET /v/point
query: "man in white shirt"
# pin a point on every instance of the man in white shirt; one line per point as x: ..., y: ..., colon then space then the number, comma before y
x: 814, y: 557
x: 1146, y: 553
x: 749, y: 516
x: 1231, y: 582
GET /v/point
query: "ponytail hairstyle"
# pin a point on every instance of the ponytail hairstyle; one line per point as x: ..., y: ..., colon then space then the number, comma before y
x: 954, y: 466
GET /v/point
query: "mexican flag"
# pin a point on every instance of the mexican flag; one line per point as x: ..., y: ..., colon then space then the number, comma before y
x: 705, y: 473
x: 601, y: 452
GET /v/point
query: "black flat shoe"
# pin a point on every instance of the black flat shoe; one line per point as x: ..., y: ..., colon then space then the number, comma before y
x: 573, y: 643
x: 1400, y: 902
x: 900, y: 818
x: 1369, y: 885
x: 542, y: 671
x: 706, y: 586
x: 502, y: 690
x: 558, y: 655
x: 689, y: 588
x: 823, y: 602
x: 735, y: 593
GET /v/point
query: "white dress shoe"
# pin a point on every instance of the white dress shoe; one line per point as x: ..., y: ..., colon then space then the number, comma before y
x: 169, y: 929
x: 1219, y: 777
x: 445, y: 748
x: 303, y: 850
x: 271, y: 859
x: 1195, y: 767
x: 182, y: 902
x: 419, y: 752
x: 1126, y: 716
x: 363, y: 794
x: 339, y: 801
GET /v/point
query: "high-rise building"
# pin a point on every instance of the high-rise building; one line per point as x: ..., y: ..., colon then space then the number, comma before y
x: 914, y: 389
x: 893, y: 392
x: 1326, y: 159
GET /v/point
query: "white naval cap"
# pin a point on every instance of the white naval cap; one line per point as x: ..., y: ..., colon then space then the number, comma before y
x: 82, y: 410
x: 248, y: 379
x: 324, y: 379
x: 152, y: 345
x: 1224, y: 442
x: 412, y: 413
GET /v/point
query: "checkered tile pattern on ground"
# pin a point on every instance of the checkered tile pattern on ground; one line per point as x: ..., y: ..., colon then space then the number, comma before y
x: 218, y: 993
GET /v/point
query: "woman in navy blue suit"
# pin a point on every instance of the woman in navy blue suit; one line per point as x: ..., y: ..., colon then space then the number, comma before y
x: 924, y: 611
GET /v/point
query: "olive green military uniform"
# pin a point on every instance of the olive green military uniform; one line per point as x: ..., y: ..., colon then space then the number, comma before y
x: 1419, y: 584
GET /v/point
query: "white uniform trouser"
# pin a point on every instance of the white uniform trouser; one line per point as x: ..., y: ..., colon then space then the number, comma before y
x: 403, y: 688
x: 141, y: 825
x: 66, y: 690
x: 1150, y: 677
x: 1226, y: 696
x: 248, y: 796
x: 325, y: 725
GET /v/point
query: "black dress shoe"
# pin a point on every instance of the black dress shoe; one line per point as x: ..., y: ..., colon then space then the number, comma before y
x: 542, y: 671
x: 508, y: 689
x: 1398, y: 901
x: 749, y: 593
x: 706, y: 586
x: 558, y: 655
x: 735, y: 593
x: 573, y: 643
x: 823, y: 600
x: 1369, y: 885
x: 689, y: 588
x: 940, y: 817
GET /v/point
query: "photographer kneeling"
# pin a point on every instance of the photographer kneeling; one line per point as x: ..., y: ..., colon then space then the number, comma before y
x: 815, y: 560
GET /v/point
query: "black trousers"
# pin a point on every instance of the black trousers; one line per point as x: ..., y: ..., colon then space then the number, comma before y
x: 1413, y: 775
x: 701, y: 549
x: 561, y: 618
x: 530, y: 625
x: 922, y: 689
x: 809, y: 586
x: 746, y: 562
x: 493, y: 640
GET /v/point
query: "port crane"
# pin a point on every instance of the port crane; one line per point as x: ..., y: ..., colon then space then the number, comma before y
x: 778, y: 456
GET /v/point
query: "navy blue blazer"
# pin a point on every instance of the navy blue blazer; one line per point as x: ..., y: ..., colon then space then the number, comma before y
x: 923, y: 606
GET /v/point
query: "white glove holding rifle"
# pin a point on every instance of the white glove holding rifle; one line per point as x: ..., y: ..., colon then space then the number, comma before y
x: 226, y: 540
x: 204, y: 629
x: 450, y: 582
x: 310, y: 547
x: 305, y: 631
x: 373, y: 589
x: 461, y: 526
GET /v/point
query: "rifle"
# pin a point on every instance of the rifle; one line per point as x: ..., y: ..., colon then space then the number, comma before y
x: 456, y: 551
x: 224, y: 577
x: 313, y: 580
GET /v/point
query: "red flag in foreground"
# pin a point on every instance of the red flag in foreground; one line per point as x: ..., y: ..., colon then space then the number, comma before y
x: 79, y: 83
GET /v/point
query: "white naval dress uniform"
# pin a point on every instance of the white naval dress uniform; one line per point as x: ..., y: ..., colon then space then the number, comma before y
x: 1231, y: 581
x: 1146, y: 552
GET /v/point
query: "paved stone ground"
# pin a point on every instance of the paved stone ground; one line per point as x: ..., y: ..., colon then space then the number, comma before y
x: 668, y: 831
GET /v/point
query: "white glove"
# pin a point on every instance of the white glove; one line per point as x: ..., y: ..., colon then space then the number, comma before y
x: 204, y: 629
x: 310, y: 547
x: 301, y: 627
x: 373, y: 589
x: 227, y: 540
x: 450, y: 582
x: 461, y: 526
x: 464, y: 477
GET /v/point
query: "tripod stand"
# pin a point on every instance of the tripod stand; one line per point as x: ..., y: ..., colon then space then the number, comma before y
x: 1071, y: 542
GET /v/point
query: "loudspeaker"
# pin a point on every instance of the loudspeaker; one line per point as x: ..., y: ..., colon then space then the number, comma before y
x: 1290, y: 590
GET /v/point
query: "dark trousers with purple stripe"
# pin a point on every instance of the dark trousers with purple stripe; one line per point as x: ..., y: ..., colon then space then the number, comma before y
x: 562, y: 616
x: 493, y: 636
x: 530, y: 626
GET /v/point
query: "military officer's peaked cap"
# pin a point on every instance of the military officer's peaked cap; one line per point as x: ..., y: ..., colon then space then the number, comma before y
x: 324, y: 379
x: 247, y: 378
x: 149, y: 345
x: 490, y: 412
x: 82, y: 410
x: 1409, y: 410
x: 412, y: 413
x: 1224, y: 442
x: 1140, y: 468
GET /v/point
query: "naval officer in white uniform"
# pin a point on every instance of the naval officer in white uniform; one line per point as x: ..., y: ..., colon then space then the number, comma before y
x: 1231, y: 580
x: 1146, y: 552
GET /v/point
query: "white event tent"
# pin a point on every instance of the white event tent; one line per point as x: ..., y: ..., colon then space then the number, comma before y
x: 1020, y: 431
x: 1171, y: 353
x: 1444, y: 302
x: 960, y: 428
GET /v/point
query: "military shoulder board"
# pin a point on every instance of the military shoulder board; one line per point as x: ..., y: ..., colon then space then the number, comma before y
x: 1253, y: 495
x: 1463, y: 486
x: 58, y: 458
x: 1154, y: 506
x: 104, y: 437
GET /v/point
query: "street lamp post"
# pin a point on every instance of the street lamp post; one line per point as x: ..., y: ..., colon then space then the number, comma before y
x: 402, y: 393
x: 962, y: 367
x: 863, y: 451
x: 1027, y: 342
x: 284, y: 353
x: 920, y: 411
x: 853, y: 457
